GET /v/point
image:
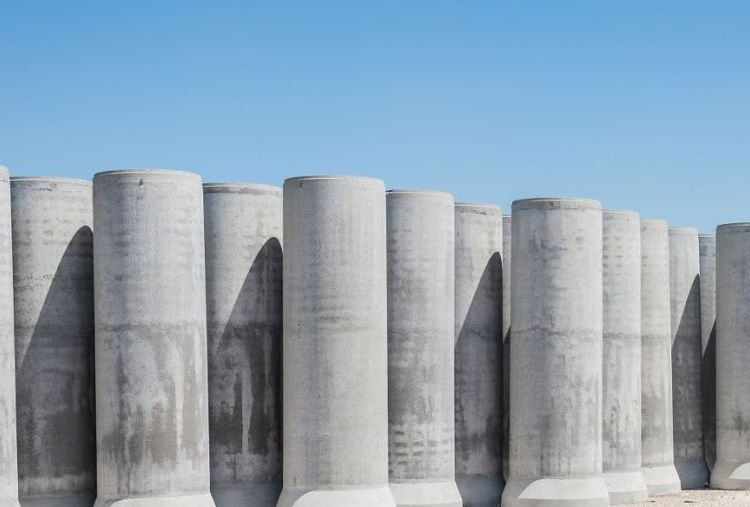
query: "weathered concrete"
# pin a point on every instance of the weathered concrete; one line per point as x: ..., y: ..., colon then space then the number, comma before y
x: 151, y: 379
x: 8, y: 463
x: 707, y: 250
x: 506, y: 256
x: 621, y: 373
x: 556, y: 379
x: 54, y: 335
x: 732, y: 467
x: 421, y: 322
x: 684, y: 290
x: 335, y: 343
x: 244, y: 308
x: 657, y: 446
x: 478, y: 353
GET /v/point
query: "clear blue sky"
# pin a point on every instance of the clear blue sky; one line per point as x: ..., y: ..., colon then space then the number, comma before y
x: 642, y: 104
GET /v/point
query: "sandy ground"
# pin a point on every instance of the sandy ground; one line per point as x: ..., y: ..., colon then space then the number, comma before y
x: 703, y: 497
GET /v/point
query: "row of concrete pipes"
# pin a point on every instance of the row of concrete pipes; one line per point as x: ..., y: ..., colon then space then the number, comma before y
x: 154, y: 362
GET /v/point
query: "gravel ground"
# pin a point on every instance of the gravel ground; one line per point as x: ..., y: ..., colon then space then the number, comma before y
x: 703, y: 497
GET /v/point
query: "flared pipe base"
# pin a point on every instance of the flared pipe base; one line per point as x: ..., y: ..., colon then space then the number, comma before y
x: 79, y: 500
x: 731, y: 475
x: 362, y: 497
x: 693, y: 473
x: 195, y: 500
x: 547, y: 492
x: 662, y: 480
x: 426, y: 494
x: 265, y: 495
x: 626, y: 487
x: 480, y: 490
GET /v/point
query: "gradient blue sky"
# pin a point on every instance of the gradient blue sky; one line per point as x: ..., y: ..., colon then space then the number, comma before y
x: 644, y: 105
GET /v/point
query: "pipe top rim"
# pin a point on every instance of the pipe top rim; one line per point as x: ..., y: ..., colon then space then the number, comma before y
x: 483, y: 205
x: 738, y: 226
x: 625, y: 212
x: 564, y: 202
x: 51, y: 179
x: 4, y: 173
x: 654, y: 222
x: 706, y: 235
x: 243, y: 186
x: 683, y: 229
x: 175, y: 173
x: 333, y: 177
x: 420, y: 191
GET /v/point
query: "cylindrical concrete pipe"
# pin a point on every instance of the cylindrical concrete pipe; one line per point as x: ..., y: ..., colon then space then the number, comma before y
x: 8, y: 463
x: 684, y: 290
x: 732, y: 467
x: 506, y: 256
x: 478, y: 353
x: 335, y: 343
x: 621, y: 374
x: 707, y: 250
x: 421, y: 228
x: 151, y: 371
x: 556, y: 355
x: 657, y: 446
x: 54, y: 324
x: 244, y: 309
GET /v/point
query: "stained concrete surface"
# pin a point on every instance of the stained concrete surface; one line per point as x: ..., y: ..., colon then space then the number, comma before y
x: 420, y: 235
x: 54, y: 316
x: 244, y: 308
x: 335, y: 343
x: 478, y: 353
x: 151, y: 366
x: 8, y: 466
x: 556, y: 381
x: 621, y: 372
x: 657, y: 445
x: 684, y: 291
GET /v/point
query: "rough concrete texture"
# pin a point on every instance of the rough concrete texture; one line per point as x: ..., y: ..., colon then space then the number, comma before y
x: 54, y: 325
x: 702, y: 497
x: 478, y: 353
x: 657, y: 446
x: 421, y: 458
x: 556, y: 380
x: 707, y: 250
x: 684, y: 290
x: 244, y: 310
x: 151, y: 371
x: 335, y: 343
x: 8, y: 464
x: 621, y: 373
x: 506, y: 256
x: 732, y: 467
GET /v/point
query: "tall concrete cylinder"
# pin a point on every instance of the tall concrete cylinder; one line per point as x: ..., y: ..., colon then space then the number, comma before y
x: 335, y: 343
x: 54, y: 325
x: 556, y: 355
x: 657, y: 446
x: 478, y: 353
x: 506, y: 256
x: 244, y: 309
x: 421, y: 228
x: 732, y: 467
x: 621, y: 374
x: 8, y: 460
x: 684, y: 290
x: 707, y: 250
x: 150, y: 300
